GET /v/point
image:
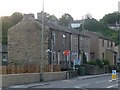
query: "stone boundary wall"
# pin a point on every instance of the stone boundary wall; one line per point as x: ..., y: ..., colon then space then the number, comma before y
x: 14, y: 79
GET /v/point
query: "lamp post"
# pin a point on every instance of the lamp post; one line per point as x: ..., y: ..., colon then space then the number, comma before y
x: 119, y: 30
x: 42, y: 50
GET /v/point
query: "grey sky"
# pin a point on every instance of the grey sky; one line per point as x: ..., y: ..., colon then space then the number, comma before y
x: 76, y: 8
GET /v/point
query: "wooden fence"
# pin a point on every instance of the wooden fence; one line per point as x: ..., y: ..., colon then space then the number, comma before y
x: 27, y: 69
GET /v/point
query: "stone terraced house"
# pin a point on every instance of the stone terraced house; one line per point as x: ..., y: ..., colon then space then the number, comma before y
x: 101, y: 47
x: 24, y: 43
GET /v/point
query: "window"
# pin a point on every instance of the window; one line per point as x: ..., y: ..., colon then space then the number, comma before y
x: 53, y: 37
x: 4, y: 56
x: 103, y: 55
x: 103, y: 42
x: 64, y: 39
x: 75, y: 37
x: 92, y: 55
x: 53, y: 57
x: 107, y: 43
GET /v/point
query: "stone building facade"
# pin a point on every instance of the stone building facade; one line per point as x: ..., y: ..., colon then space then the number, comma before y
x: 24, y: 42
x: 101, y: 47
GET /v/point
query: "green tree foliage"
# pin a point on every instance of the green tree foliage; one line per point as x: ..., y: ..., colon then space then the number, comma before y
x: 100, y: 27
x: 65, y: 19
x: 48, y: 17
x: 93, y: 25
x: 98, y: 62
x: 106, y: 62
x: 53, y: 19
x: 92, y: 62
x: 111, y: 18
x: 7, y: 22
x: 15, y: 18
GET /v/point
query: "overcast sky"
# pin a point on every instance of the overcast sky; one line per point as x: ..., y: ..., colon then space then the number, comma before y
x: 76, y: 8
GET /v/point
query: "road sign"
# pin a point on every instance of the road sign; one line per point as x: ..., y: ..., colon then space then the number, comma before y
x: 66, y: 52
x: 113, y: 71
x: 114, y: 77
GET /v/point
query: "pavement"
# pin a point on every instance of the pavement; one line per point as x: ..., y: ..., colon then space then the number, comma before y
x: 93, y: 76
x: 32, y: 85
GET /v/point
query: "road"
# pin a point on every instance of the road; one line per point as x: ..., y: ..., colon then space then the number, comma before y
x: 96, y: 82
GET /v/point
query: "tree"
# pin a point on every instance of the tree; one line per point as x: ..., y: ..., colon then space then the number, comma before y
x: 111, y: 18
x: 7, y: 22
x: 106, y: 62
x: 48, y: 17
x: 100, y: 27
x: 65, y: 19
x: 15, y: 18
x: 93, y: 25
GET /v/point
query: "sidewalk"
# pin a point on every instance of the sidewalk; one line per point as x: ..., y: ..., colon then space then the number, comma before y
x: 47, y: 83
x: 92, y: 76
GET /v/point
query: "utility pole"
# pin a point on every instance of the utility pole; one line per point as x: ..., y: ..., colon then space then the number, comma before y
x: 119, y: 31
x: 42, y: 42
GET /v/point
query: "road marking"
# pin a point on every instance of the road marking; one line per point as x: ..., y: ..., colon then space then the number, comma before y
x: 101, y: 81
x: 77, y: 87
x: 69, y: 80
x: 82, y: 85
x: 109, y: 80
x: 112, y: 86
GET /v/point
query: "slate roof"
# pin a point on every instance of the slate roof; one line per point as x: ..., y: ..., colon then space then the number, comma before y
x: 100, y: 35
x: 63, y: 28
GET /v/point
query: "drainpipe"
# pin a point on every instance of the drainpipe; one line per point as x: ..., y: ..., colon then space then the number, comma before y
x: 70, y: 50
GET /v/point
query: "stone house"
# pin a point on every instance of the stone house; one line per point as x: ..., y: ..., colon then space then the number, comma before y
x: 101, y: 47
x: 76, y: 23
x: 84, y: 46
x: 24, y: 42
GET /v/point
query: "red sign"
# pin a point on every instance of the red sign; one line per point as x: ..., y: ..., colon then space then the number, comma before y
x: 66, y: 52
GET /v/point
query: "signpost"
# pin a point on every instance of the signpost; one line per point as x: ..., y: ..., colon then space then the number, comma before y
x: 114, y: 76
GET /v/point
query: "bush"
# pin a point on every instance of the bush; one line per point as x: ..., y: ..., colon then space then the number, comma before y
x: 92, y: 63
x: 97, y: 62
x: 106, y: 62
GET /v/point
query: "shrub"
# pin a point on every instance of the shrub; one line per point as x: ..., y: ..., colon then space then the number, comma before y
x: 99, y: 62
x: 106, y: 62
x: 92, y: 63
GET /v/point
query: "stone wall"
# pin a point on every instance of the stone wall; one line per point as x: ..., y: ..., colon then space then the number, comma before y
x: 14, y: 79
x: 24, y: 43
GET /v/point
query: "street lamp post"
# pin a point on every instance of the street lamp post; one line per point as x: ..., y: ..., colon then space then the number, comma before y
x: 42, y: 50
x: 119, y: 30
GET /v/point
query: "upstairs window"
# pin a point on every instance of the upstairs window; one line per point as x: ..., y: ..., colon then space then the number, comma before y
x: 107, y: 43
x: 53, y: 37
x: 103, y: 42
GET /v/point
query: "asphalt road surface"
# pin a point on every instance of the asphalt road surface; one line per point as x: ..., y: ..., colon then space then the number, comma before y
x: 96, y: 82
